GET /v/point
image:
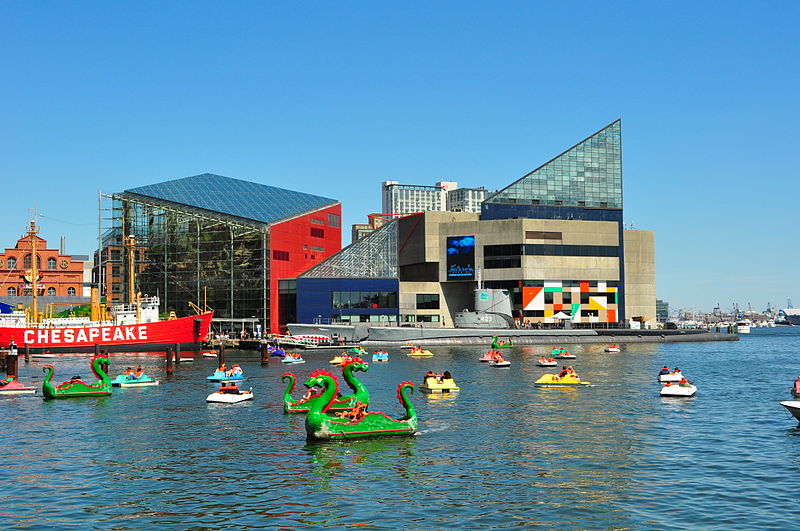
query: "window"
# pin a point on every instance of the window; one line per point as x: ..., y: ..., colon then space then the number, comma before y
x: 11, y: 292
x: 51, y: 264
x: 27, y: 261
x: 12, y: 263
x: 115, y: 271
x: 51, y: 291
x: 319, y: 249
x: 317, y: 233
x: 280, y: 255
x: 70, y: 291
x: 316, y: 221
x: 364, y: 299
x: 333, y: 220
x: 427, y: 301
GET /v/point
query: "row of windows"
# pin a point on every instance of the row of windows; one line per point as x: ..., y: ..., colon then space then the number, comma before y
x: 11, y: 292
x: 11, y: 263
x: 364, y: 299
x: 541, y: 249
x: 540, y: 313
x: 317, y: 233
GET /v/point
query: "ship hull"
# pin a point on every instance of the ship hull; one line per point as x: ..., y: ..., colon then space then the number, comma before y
x: 188, y: 332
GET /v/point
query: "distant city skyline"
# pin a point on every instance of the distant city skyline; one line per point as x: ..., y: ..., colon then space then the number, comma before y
x: 333, y: 100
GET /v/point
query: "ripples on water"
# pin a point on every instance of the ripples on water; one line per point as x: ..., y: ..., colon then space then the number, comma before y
x: 500, y: 454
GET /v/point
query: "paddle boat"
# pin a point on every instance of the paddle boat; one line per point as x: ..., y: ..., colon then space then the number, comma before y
x: 356, y: 423
x: 357, y: 351
x: 10, y: 386
x: 500, y: 363
x: 380, y: 355
x: 670, y: 376
x: 340, y: 403
x: 681, y: 388
x: 793, y: 407
x: 565, y: 355
x: 407, y: 345
x: 340, y: 359
x: 496, y: 343
x: 224, y: 375
x: 209, y: 353
x: 546, y: 362
x: 612, y: 348
x: 292, y: 358
x: 438, y: 383
x: 43, y: 356
x: 75, y: 387
x: 796, y: 388
x: 129, y: 379
x: 276, y: 352
x: 553, y: 380
x: 229, y: 393
x: 419, y: 352
x: 488, y: 356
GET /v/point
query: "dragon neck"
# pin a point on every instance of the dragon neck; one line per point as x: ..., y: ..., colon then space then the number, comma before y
x: 319, y: 406
x: 47, y: 387
x: 402, y: 394
x: 290, y: 380
x: 99, y: 370
x: 352, y: 381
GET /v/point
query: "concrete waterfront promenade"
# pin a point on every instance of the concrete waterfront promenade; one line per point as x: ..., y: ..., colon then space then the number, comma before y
x: 382, y: 336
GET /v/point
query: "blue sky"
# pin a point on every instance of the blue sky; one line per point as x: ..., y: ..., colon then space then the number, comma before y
x: 332, y: 98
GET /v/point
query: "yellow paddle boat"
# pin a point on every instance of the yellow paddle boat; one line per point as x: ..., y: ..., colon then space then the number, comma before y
x: 439, y: 383
x: 338, y: 360
x: 419, y: 351
x: 552, y: 380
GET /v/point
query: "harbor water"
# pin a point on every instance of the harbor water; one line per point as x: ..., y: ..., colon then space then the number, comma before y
x: 498, y: 454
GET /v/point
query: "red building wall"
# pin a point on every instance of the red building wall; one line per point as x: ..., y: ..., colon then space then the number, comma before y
x: 296, y: 245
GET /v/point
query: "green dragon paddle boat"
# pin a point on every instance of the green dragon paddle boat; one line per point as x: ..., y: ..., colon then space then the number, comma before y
x: 342, y: 403
x: 76, y: 387
x: 357, y: 423
x: 496, y: 343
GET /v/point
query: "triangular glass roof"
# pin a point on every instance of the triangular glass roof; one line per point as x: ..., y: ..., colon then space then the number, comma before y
x: 589, y: 174
x: 244, y: 199
x: 373, y: 256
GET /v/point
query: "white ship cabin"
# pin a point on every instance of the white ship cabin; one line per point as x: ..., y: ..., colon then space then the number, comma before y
x: 123, y: 314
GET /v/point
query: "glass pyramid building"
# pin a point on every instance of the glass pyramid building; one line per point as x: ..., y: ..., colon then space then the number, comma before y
x: 373, y: 256
x: 587, y: 175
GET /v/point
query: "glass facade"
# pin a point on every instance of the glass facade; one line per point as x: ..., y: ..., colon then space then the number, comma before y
x: 363, y: 299
x: 588, y: 174
x: 188, y: 256
x: 374, y: 256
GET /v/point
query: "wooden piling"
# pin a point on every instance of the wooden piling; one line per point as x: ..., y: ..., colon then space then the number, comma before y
x: 177, y: 350
x: 170, y: 364
x: 96, y: 349
x: 27, y: 353
x: 12, y: 365
x: 221, y: 354
x: 264, y: 353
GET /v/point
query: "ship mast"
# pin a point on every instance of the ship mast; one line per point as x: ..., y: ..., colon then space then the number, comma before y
x: 32, y: 232
x: 130, y: 246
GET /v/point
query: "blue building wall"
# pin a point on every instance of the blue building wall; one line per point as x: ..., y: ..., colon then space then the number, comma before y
x: 314, y: 296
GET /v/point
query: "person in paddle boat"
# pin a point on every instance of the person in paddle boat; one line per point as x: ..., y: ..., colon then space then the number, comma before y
x: 564, y: 372
x: 230, y: 389
x: 76, y: 379
x: 128, y: 374
x: 446, y: 376
x: 664, y: 370
x: 311, y: 392
x: 676, y: 370
x: 139, y: 372
x: 236, y: 371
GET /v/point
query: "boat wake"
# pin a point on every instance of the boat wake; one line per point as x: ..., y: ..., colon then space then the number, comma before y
x: 433, y: 430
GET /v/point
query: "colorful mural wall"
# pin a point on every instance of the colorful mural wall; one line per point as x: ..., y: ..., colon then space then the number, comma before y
x: 582, y: 301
